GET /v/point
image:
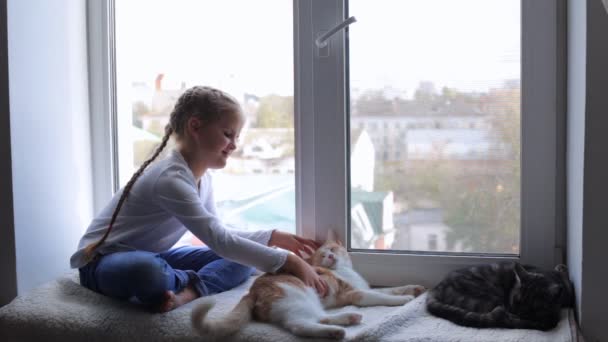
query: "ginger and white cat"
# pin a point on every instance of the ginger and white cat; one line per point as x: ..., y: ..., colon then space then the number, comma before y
x: 284, y: 300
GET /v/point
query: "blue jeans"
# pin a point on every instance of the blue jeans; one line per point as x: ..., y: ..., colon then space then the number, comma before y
x: 145, y: 276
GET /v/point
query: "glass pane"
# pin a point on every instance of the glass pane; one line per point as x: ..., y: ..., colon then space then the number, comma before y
x: 435, y: 125
x: 164, y: 47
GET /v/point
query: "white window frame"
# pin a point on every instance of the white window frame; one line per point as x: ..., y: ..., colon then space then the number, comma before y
x: 102, y: 102
x: 320, y: 98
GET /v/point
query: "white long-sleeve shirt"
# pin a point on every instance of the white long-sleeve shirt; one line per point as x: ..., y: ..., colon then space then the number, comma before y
x: 163, y: 204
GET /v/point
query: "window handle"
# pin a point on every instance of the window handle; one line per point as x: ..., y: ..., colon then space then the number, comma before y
x: 321, y: 41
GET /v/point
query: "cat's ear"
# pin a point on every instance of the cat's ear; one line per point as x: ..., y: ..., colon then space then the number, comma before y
x: 333, y: 237
x: 520, y: 273
x: 555, y: 290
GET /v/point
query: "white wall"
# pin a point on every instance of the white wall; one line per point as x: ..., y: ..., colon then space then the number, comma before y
x: 51, y: 158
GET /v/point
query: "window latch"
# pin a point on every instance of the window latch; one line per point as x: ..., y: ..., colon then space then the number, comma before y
x: 322, y: 40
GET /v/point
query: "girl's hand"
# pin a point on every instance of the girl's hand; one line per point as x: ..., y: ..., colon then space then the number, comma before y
x: 293, y: 243
x: 299, y: 268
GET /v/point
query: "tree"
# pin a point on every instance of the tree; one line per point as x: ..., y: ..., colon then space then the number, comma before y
x: 483, y: 214
x: 373, y: 102
x: 426, y: 92
x: 484, y: 211
x: 479, y: 199
x: 275, y: 111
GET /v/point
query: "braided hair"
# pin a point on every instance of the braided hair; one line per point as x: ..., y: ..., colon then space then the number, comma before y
x: 206, y: 103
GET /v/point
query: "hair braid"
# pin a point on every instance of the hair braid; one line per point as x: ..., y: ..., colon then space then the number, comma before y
x: 90, y: 249
x: 205, y: 103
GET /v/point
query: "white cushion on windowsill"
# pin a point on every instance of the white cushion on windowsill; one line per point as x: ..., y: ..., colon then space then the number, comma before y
x: 63, y: 310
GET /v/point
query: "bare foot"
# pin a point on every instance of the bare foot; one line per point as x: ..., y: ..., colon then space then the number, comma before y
x: 172, y: 300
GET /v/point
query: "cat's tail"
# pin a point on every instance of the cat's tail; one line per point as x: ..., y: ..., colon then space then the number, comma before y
x: 461, y: 316
x: 221, y: 326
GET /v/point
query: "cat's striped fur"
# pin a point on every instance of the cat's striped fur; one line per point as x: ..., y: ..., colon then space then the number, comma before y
x: 506, y: 295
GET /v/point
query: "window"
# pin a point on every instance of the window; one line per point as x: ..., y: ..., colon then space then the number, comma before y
x: 471, y: 176
x: 381, y: 60
x: 177, y: 45
x: 335, y: 91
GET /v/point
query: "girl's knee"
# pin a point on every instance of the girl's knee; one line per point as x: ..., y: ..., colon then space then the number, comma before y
x: 242, y: 273
x: 225, y: 275
x: 139, y: 275
x: 246, y: 271
x: 147, y: 273
x: 150, y: 280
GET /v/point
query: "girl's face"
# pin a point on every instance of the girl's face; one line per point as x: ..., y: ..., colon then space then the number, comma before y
x: 217, y: 140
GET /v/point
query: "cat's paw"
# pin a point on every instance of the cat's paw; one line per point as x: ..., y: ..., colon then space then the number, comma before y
x: 413, y: 290
x: 354, y: 319
x: 344, y: 319
x: 406, y: 299
x: 336, y: 333
x: 499, y: 313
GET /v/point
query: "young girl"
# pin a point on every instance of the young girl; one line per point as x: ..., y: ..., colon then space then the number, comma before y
x: 126, y: 251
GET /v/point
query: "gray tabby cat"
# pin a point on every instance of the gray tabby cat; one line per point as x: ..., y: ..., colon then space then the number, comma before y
x: 504, y: 295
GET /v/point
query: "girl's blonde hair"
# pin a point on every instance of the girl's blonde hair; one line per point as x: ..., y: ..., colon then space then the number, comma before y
x: 206, y: 103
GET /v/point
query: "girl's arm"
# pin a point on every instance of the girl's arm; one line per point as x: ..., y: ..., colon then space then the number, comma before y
x: 293, y: 243
x: 293, y: 263
x: 270, y: 237
x: 176, y: 193
x: 299, y: 268
x: 259, y: 236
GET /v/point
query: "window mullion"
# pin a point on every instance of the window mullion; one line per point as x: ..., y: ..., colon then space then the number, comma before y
x: 100, y: 24
x: 542, y: 116
x: 320, y: 113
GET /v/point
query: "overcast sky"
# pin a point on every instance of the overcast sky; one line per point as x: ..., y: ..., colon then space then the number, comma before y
x: 247, y: 46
